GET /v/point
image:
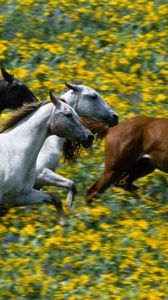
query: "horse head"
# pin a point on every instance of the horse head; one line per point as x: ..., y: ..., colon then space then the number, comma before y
x: 89, y: 104
x: 66, y: 123
x: 13, y: 92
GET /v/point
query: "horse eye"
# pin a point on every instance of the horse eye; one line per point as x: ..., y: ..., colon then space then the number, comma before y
x: 68, y: 115
x: 94, y: 96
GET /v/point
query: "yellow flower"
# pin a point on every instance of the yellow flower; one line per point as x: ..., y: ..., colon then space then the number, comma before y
x: 160, y: 97
x: 135, y: 68
x: 163, y: 9
x: 52, y: 241
x: 28, y: 230
x: 20, y: 73
x: 83, y: 279
x: 146, y: 96
x: 123, y: 61
x: 153, y: 243
x: 143, y: 224
x: 3, y: 229
x: 13, y: 229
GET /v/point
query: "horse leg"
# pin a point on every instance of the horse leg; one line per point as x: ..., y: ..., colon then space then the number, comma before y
x: 101, y: 184
x: 48, y: 177
x: 140, y: 168
x: 39, y: 197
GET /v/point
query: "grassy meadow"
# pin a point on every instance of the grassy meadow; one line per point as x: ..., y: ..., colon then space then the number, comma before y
x: 117, y: 249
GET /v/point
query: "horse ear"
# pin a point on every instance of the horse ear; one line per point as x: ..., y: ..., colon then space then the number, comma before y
x: 63, y: 100
x: 8, y: 77
x: 72, y: 86
x: 54, y: 98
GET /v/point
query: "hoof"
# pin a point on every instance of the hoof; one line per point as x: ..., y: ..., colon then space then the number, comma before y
x: 89, y: 204
x: 89, y: 201
x: 69, y: 204
x: 74, y: 189
x: 90, y: 197
x: 126, y: 186
x: 62, y: 222
x: 130, y: 188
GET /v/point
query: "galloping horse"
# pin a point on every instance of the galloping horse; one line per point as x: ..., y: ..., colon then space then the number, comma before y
x: 13, y: 92
x: 133, y: 149
x: 26, y: 131
x: 91, y: 107
x: 88, y: 104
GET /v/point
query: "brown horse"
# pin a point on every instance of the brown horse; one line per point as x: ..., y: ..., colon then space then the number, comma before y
x: 133, y: 149
x: 13, y: 92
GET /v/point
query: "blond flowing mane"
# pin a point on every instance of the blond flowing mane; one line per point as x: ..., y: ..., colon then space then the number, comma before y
x: 99, y: 129
x: 19, y: 114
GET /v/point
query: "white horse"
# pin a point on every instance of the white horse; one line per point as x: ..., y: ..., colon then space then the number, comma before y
x: 88, y: 104
x: 21, y: 139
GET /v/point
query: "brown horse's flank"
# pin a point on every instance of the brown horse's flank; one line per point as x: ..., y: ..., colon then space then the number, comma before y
x: 133, y: 149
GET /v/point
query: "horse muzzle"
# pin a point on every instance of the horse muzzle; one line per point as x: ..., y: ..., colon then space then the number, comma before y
x: 113, y: 120
x: 88, y: 141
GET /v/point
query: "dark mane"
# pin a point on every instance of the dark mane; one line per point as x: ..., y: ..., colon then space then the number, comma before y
x: 72, y: 149
x: 19, y: 114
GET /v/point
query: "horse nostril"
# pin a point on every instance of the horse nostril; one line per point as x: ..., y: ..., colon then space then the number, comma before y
x: 115, y: 118
x: 90, y: 139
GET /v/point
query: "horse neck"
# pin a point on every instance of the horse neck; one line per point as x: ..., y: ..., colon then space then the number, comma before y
x: 31, y: 133
x: 71, y: 100
x: 54, y: 143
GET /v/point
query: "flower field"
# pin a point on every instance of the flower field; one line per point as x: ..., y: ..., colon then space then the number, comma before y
x: 118, y: 248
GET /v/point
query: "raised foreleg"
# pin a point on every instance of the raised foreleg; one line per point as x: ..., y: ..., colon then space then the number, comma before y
x: 121, y: 152
x: 39, y: 197
x: 101, y: 184
x: 48, y: 177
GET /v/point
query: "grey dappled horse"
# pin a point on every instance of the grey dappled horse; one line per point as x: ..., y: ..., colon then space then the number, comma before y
x: 21, y: 139
x: 13, y: 92
x: 88, y: 104
x: 86, y: 101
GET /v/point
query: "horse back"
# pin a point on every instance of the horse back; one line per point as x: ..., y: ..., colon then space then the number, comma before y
x: 155, y: 137
x: 131, y: 139
x: 127, y: 130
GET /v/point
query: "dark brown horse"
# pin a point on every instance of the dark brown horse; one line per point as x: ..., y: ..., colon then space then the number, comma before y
x: 13, y: 92
x: 133, y: 149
